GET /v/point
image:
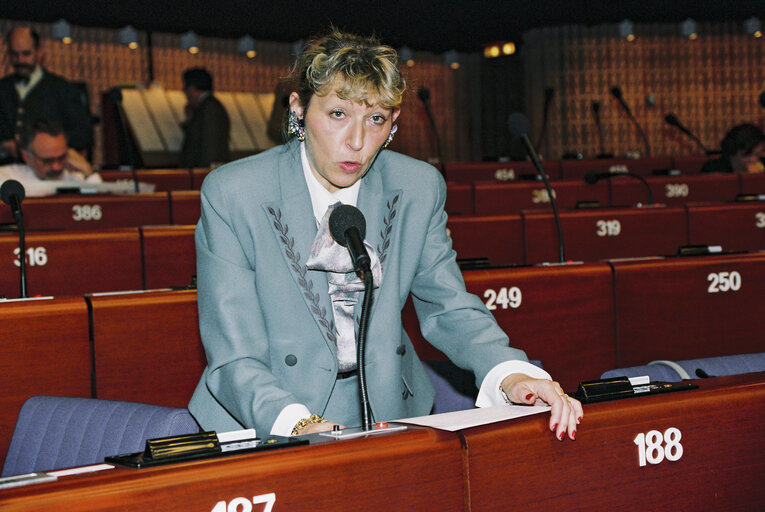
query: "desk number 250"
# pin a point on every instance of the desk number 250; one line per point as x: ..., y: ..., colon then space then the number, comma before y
x: 651, y: 449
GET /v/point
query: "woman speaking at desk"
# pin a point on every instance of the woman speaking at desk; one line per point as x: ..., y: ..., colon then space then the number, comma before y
x: 279, y: 300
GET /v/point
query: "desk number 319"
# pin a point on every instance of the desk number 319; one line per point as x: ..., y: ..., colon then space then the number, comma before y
x: 651, y: 449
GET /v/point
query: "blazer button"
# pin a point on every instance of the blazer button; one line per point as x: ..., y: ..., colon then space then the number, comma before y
x: 401, y: 350
x: 291, y: 360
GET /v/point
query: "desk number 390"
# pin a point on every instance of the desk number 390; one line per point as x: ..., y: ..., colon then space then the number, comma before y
x: 651, y: 449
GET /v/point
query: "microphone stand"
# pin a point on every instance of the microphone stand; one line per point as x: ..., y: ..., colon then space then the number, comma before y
x: 553, y: 204
x: 366, y: 412
x: 22, y: 256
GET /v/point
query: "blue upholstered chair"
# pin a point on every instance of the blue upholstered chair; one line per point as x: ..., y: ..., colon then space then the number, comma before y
x: 675, y: 371
x: 54, y: 432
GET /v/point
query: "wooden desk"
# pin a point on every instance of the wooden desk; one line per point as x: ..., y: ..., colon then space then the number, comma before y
x: 576, y: 169
x: 466, y: 172
x: 163, y: 179
x: 459, y: 199
x: 734, y: 226
x: 185, y: 207
x: 561, y: 315
x: 498, y: 238
x: 598, y: 234
x: 73, y: 262
x: 674, y: 190
x: 689, y: 164
x: 147, y: 347
x: 169, y: 257
x: 418, y: 469
x: 686, y: 308
x: 86, y: 211
x: 720, y: 468
x: 44, y: 350
x: 504, y: 198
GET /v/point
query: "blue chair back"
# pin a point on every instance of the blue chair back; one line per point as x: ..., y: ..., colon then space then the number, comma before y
x: 54, y: 432
x: 675, y: 371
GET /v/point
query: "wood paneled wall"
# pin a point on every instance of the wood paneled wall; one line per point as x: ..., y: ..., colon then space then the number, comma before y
x: 710, y: 83
x: 96, y: 58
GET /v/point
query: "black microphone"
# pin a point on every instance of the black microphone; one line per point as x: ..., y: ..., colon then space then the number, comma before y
x: 424, y: 94
x: 12, y: 193
x: 616, y: 92
x: 593, y: 177
x: 115, y: 94
x: 519, y: 126
x: 348, y: 227
x: 672, y: 120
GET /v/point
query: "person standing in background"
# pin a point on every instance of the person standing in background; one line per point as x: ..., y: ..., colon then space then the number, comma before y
x: 207, y: 126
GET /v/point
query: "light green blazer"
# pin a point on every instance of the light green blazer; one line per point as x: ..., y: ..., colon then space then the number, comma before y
x: 266, y: 321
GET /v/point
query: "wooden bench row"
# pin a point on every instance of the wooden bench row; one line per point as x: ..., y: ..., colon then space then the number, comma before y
x: 579, y: 320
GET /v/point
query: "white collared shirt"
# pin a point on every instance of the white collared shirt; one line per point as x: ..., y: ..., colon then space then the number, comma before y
x: 34, y: 77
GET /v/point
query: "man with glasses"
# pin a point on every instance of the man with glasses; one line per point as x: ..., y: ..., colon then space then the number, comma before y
x: 49, y: 161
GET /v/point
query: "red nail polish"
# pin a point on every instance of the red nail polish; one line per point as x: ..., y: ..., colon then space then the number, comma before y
x: 562, y: 435
x: 529, y: 396
x: 554, y: 427
x: 579, y: 420
x: 573, y: 435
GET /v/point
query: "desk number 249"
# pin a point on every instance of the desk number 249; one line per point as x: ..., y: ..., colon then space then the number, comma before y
x: 653, y: 451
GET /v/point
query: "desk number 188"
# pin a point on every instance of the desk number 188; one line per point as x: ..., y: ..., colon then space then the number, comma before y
x: 652, y: 450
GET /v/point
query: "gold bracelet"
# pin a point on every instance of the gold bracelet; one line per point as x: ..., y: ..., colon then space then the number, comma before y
x: 504, y: 395
x: 312, y: 419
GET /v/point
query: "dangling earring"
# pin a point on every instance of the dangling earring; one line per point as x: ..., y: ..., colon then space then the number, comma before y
x: 296, y: 126
x: 390, y: 136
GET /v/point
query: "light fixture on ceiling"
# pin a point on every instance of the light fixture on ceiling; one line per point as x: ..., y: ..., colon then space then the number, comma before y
x: 627, y: 30
x: 406, y: 55
x: 62, y: 30
x: 128, y: 36
x: 753, y: 27
x: 246, y: 46
x: 688, y: 29
x: 190, y: 42
x: 451, y: 59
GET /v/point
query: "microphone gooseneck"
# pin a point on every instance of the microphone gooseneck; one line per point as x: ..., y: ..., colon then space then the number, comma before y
x: 593, y: 177
x: 348, y: 227
x: 616, y: 92
x: 12, y: 193
x: 672, y: 120
x: 519, y: 125
x: 423, y: 93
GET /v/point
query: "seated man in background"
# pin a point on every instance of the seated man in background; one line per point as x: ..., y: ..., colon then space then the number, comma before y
x: 206, y: 129
x: 49, y: 161
x: 31, y: 92
x: 743, y: 150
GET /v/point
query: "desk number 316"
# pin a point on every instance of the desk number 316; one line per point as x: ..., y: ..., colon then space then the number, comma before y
x: 652, y: 450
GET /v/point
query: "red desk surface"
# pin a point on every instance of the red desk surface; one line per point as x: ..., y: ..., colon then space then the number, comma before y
x: 185, y: 207
x: 686, y: 308
x: 198, y: 176
x: 163, y: 179
x: 418, y: 469
x: 598, y: 234
x: 734, y: 226
x: 147, y: 347
x: 674, y: 190
x: 45, y: 350
x: 73, y: 262
x: 467, y: 172
x: 505, y: 198
x: 752, y: 183
x: 576, y: 169
x: 518, y: 465
x: 85, y: 211
x: 689, y: 164
x: 169, y: 257
x: 498, y: 238
x: 459, y: 199
x: 561, y: 315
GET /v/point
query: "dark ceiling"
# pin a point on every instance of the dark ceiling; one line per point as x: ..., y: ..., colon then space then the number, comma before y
x: 435, y: 26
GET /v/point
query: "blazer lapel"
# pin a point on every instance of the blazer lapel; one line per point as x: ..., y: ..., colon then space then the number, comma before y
x: 292, y: 223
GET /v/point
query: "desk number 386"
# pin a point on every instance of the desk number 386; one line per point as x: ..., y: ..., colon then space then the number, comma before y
x: 653, y: 451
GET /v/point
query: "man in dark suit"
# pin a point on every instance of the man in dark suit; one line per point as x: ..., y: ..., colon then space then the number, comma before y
x: 207, y: 125
x: 31, y: 93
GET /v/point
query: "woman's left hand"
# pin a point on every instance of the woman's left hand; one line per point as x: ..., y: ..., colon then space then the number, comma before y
x: 566, y: 412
